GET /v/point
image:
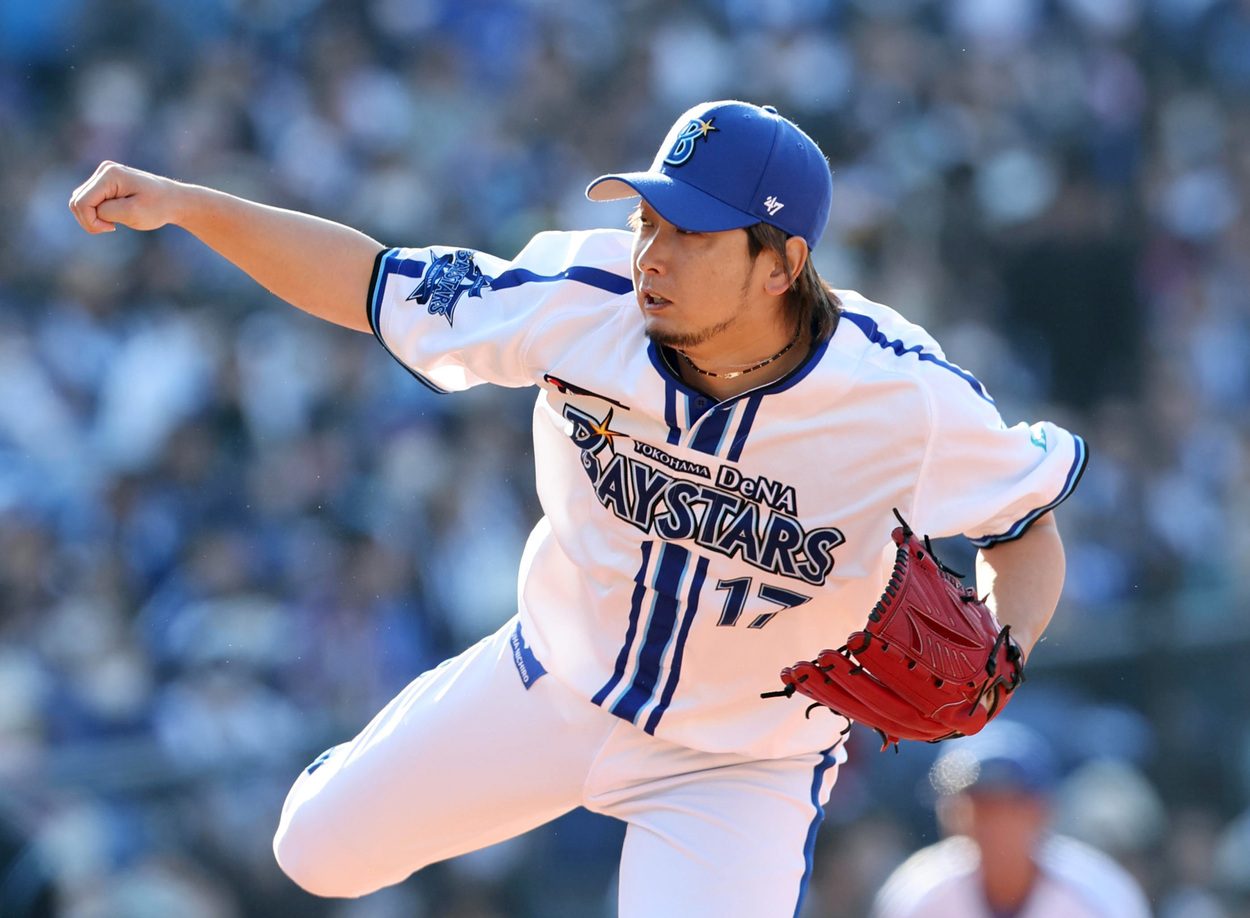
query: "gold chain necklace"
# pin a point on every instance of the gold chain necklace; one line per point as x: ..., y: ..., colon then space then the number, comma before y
x: 733, y: 374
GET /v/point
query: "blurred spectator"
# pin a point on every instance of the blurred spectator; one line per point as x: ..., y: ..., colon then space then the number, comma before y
x: 999, y: 858
x: 213, y: 509
x: 26, y: 887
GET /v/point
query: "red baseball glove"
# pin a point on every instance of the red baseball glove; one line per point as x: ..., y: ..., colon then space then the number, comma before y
x: 932, y: 663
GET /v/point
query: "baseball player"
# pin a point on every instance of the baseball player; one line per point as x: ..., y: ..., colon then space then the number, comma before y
x: 720, y: 438
x: 999, y: 857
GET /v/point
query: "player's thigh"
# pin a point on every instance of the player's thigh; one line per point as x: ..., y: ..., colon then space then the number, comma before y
x: 464, y: 757
x: 736, y: 840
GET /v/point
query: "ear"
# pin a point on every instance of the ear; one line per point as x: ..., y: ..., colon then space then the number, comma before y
x: 777, y: 282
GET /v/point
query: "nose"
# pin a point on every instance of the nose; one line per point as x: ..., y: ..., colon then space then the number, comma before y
x: 649, y: 251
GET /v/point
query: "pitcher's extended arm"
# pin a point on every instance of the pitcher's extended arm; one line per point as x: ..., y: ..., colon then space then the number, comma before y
x: 320, y: 266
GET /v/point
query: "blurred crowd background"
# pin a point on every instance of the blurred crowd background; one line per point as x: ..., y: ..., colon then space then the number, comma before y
x: 229, y: 533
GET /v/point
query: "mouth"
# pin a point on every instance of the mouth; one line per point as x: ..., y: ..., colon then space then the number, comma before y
x: 652, y: 301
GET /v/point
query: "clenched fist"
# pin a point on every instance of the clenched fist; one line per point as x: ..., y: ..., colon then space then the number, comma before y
x: 120, y: 194
x: 316, y: 265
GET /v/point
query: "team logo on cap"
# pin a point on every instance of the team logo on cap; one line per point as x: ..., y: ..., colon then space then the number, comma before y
x: 683, y: 147
x: 448, y: 278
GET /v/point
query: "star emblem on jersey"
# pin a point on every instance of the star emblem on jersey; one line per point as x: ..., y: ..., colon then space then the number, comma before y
x: 446, y: 280
x: 589, y: 432
x: 683, y: 146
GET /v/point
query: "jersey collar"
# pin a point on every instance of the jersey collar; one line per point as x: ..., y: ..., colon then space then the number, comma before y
x: 793, y: 378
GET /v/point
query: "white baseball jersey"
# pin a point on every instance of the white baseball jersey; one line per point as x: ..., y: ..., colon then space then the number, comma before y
x: 690, y: 549
x: 1075, y: 881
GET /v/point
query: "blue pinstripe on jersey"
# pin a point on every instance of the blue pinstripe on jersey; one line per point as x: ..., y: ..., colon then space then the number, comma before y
x: 1069, y: 485
x: 744, y: 427
x: 674, y: 670
x: 670, y: 413
x: 710, y: 431
x: 696, y: 407
x: 874, y: 334
x: 670, y: 572
x: 622, y: 658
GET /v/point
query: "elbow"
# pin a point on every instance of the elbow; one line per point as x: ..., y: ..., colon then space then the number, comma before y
x: 1043, y: 536
x: 1046, y: 523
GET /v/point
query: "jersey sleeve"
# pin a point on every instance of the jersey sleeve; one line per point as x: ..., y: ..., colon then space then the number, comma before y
x: 983, y: 479
x: 457, y: 317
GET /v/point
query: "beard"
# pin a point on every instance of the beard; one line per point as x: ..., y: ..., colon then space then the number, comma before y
x: 680, y: 340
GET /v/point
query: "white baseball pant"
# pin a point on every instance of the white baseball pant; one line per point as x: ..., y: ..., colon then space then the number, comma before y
x: 467, y: 756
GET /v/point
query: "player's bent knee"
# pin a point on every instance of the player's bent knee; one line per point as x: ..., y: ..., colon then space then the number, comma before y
x: 315, y: 859
x: 314, y: 869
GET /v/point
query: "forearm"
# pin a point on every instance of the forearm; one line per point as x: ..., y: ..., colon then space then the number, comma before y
x: 1022, y: 580
x: 317, y: 265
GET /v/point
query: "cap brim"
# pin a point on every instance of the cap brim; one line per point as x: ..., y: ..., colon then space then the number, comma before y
x: 680, y: 204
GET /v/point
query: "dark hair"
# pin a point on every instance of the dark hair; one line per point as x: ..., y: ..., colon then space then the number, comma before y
x: 811, y: 302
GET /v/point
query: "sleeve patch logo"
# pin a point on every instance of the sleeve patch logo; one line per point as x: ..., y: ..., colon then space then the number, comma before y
x: 446, y: 280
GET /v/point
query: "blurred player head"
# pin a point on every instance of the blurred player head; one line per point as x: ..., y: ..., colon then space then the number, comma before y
x: 995, y: 788
x: 732, y: 204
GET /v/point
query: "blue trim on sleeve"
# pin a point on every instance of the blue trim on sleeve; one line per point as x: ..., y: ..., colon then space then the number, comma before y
x: 827, y: 760
x: 874, y: 334
x: 409, y: 267
x: 387, y: 263
x: 593, y: 277
x: 1069, y: 485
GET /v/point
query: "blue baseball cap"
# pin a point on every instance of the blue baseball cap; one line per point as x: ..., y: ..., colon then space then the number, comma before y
x: 1005, y: 757
x: 726, y: 165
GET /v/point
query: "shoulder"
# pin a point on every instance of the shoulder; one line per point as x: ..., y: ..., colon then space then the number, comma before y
x: 598, y: 258
x: 893, y: 343
x: 883, y: 326
x: 1093, y: 875
x: 923, y: 876
x: 608, y: 249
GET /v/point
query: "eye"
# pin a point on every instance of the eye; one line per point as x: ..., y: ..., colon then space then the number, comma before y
x: 685, y: 232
